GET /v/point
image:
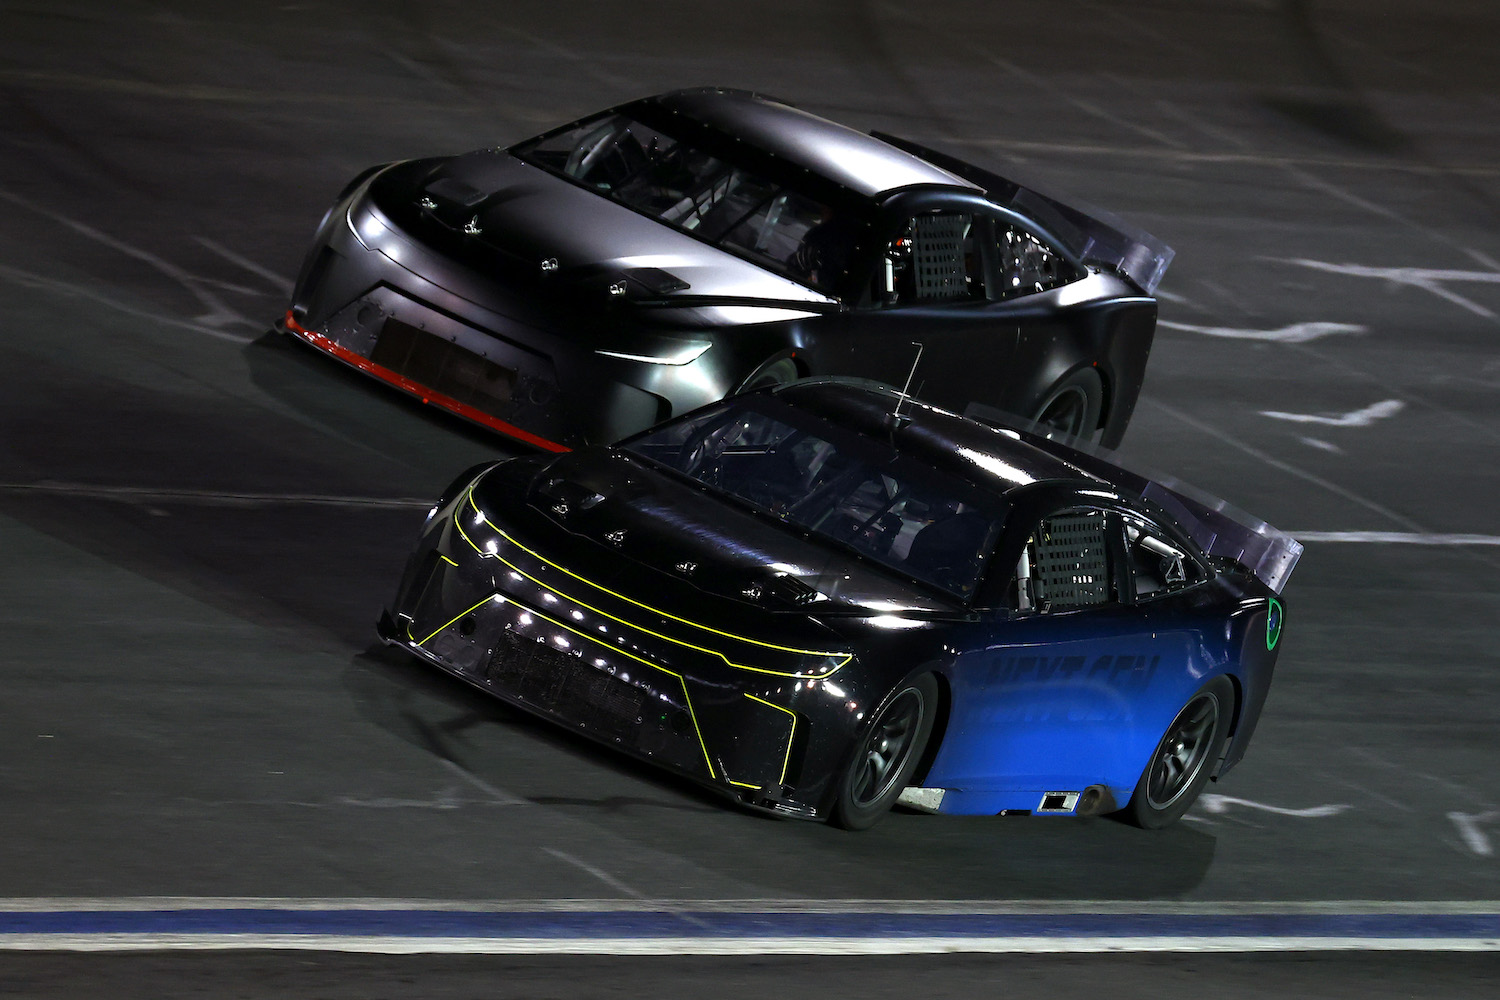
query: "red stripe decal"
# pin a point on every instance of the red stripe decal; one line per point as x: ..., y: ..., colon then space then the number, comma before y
x: 426, y: 395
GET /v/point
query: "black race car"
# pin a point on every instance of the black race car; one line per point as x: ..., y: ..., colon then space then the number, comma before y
x: 824, y: 597
x: 655, y: 257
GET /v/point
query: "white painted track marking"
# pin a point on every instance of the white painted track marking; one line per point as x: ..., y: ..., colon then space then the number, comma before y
x: 1286, y: 467
x: 1219, y: 804
x: 752, y: 904
x: 643, y: 926
x: 1394, y: 538
x: 218, y: 314
x: 1469, y: 828
x: 28, y: 279
x: 235, y: 498
x: 1356, y: 418
x: 1295, y: 333
x: 1434, y: 280
x: 276, y: 281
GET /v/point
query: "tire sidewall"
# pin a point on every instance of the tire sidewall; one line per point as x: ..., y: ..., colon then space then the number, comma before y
x: 775, y: 371
x: 1086, y: 379
x: 1140, y: 812
x: 852, y: 816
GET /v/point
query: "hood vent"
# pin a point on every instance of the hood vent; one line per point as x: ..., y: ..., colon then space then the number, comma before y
x: 453, y: 190
x: 788, y: 590
x: 567, y: 496
x: 652, y: 281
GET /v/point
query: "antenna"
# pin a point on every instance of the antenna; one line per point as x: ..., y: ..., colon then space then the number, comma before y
x: 909, y: 376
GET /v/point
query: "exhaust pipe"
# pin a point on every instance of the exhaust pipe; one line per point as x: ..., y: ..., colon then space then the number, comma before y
x: 1095, y: 800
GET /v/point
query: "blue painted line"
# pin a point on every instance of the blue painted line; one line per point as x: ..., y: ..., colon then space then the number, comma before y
x: 748, y: 925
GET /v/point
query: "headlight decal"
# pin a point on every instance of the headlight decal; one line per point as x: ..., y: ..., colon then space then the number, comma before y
x: 841, y: 658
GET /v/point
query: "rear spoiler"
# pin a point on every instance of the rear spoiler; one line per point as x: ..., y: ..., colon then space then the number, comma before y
x: 1219, y: 528
x: 1092, y: 235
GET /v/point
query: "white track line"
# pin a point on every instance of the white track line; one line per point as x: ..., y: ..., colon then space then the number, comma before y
x: 750, y: 904
x: 142, y: 494
x: 398, y: 945
x: 1394, y: 538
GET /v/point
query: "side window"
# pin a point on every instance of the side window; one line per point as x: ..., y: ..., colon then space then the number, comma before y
x: 1025, y: 264
x: 1067, y: 563
x: 795, y: 231
x: 1156, y: 565
x: 935, y: 259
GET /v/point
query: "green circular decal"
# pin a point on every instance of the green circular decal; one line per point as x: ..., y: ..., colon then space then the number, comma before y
x: 1273, y: 623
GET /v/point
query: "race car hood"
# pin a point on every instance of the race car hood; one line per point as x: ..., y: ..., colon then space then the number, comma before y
x: 618, y: 518
x: 492, y: 211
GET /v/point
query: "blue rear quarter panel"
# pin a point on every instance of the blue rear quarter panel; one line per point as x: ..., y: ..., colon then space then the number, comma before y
x: 1062, y: 701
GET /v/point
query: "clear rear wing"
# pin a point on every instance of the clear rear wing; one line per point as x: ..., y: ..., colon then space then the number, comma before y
x: 1219, y: 528
x: 1093, y: 235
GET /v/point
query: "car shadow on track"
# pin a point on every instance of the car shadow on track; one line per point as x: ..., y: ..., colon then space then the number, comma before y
x: 356, y: 407
x: 908, y: 855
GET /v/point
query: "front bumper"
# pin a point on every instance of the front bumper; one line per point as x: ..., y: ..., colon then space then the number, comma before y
x: 740, y: 714
x: 403, y: 313
x: 472, y: 375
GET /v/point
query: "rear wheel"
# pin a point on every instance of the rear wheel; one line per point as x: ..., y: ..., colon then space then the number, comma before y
x: 1071, y: 408
x: 1181, y: 763
x: 771, y: 373
x: 886, y: 755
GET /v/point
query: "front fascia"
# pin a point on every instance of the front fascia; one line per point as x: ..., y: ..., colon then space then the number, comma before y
x: 742, y: 709
x: 529, y: 343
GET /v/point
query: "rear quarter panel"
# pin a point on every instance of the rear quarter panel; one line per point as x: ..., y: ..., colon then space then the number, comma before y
x: 1064, y: 701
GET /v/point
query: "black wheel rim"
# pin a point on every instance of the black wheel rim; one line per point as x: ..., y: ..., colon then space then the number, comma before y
x: 1182, y: 752
x: 1065, y: 413
x: 780, y: 373
x: 887, y: 747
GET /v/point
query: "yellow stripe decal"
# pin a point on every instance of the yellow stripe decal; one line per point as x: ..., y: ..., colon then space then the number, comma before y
x: 445, y: 559
x: 450, y: 621
x: 843, y: 658
x: 786, y: 761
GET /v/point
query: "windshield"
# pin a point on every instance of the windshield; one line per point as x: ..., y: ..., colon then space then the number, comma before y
x: 696, y: 191
x: 839, y: 486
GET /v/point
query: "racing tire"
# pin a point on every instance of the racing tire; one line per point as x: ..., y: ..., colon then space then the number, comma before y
x: 1182, y: 762
x: 886, y: 755
x: 772, y: 373
x: 1071, y: 407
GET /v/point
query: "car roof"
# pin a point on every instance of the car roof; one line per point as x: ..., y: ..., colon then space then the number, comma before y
x: 853, y: 159
x: 993, y: 458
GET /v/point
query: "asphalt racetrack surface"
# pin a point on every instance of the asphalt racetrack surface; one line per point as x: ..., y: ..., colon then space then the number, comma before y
x: 200, y: 520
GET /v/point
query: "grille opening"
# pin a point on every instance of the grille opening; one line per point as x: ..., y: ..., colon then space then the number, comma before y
x: 444, y: 367
x: 561, y: 683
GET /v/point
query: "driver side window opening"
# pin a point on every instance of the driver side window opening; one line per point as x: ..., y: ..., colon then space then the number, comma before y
x: 955, y: 256
x: 935, y: 259
x: 1070, y: 562
x: 1157, y: 566
x: 1027, y: 265
x: 1067, y: 564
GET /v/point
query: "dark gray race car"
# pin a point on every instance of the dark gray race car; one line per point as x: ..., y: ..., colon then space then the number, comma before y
x: 655, y: 257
